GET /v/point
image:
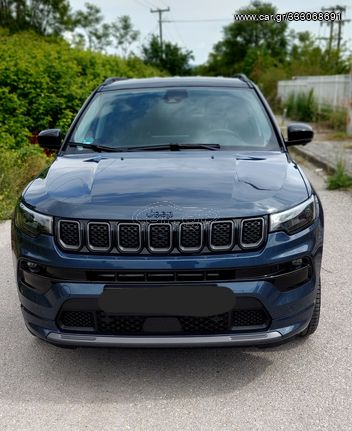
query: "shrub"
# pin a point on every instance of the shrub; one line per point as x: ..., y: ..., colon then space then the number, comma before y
x: 43, y: 83
x: 17, y: 168
x: 337, y: 120
x: 340, y: 179
x: 302, y: 106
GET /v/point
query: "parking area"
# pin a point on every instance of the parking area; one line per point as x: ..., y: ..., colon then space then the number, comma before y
x: 303, y: 385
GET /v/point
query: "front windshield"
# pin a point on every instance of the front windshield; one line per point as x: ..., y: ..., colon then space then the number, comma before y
x: 230, y: 117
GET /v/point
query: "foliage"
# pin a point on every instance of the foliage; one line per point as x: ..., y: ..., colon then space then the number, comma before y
x: 170, y: 57
x: 267, y: 52
x: 340, y: 179
x: 124, y: 34
x: 302, y: 106
x: 17, y: 167
x: 307, y: 57
x: 43, y: 83
x: 42, y: 16
x: 266, y: 72
x: 84, y: 28
x: 95, y: 32
x: 245, y: 41
x: 332, y: 119
x: 340, y: 135
x: 90, y: 31
x: 337, y: 120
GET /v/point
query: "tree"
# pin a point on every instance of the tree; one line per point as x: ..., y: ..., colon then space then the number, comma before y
x: 308, y: 57
x: 95, y: 32
x: 245, y: 41
x: 124, y: 34
x: 46, y: 17
x: 170, y: 57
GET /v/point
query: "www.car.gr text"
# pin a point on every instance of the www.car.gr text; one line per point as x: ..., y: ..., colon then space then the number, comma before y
x: 290, y: 16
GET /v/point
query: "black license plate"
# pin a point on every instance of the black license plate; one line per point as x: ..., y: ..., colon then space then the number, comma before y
x: 205, y: 300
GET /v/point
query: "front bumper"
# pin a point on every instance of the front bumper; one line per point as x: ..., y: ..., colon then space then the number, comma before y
x: 290, y: 310
x: 166, y: 341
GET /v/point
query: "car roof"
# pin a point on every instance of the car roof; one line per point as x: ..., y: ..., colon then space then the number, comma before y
x: 192, y: 81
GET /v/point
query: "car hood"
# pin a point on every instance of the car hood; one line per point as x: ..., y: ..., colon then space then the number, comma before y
x: 158, y: 185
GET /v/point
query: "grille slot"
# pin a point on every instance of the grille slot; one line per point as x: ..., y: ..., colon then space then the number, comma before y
x: 160, y: 237
x: 99, y: 236
x: 221, y: 235
x: 69, y: 232
x: 77, y: 319
x: 205, y: 325
x: 112, y: 324
x: 129, y: 237
x: 252, y: 232
x: 244, y: 318
x: 190, y: 236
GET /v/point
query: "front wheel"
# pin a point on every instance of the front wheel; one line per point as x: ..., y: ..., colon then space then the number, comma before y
x: 314, y: 322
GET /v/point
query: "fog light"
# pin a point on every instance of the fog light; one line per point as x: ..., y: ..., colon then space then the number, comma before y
x: 33, y: 267
x: 297, y: 262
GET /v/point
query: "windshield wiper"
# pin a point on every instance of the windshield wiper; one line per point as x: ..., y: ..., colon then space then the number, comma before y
x: 161, y: 147
x: 95, y: 147
x: 176, y: 147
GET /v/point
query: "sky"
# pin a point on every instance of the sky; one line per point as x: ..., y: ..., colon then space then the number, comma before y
x: 210, y: 17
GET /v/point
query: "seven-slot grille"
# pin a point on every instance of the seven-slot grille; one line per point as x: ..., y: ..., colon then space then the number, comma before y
x: 161, y: 237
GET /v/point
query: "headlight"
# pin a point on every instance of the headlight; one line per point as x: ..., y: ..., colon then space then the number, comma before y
x: 31, y: 222
x: 297, y: 218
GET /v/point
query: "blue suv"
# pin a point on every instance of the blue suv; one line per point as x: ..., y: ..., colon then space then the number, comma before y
x: 173, y: 215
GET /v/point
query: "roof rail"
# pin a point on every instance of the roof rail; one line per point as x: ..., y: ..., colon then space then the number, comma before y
x: 113, y: 79
x: 243, y: 78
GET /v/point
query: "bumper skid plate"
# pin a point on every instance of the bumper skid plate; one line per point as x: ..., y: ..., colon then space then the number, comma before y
x: 164, y: 341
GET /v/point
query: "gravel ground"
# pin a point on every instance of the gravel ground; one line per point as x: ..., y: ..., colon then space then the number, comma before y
x: 303, y: 385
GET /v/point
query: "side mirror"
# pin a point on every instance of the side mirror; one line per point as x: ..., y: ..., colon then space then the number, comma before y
x: 50, y: 139
x: 299, y: 134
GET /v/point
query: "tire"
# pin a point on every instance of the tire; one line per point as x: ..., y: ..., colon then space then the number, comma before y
x: 314, y: 322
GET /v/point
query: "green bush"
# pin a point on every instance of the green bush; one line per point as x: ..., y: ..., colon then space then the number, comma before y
x: 302, y: 106
x: 337, y: 120
x: 340, y: 179
x: 43, y: 83
x: 17, y: 168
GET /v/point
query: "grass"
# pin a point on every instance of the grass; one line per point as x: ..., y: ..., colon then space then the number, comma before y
x: 340, y: 178
x: 301, y: 106
x: 16, y: 170
x: 338, y: 136
x: 304, y: 107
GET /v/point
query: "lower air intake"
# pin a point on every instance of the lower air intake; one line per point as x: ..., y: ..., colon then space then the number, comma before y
x: 112, y: 324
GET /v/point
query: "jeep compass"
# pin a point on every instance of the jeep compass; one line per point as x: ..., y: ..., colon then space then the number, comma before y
x: 172, y: 215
